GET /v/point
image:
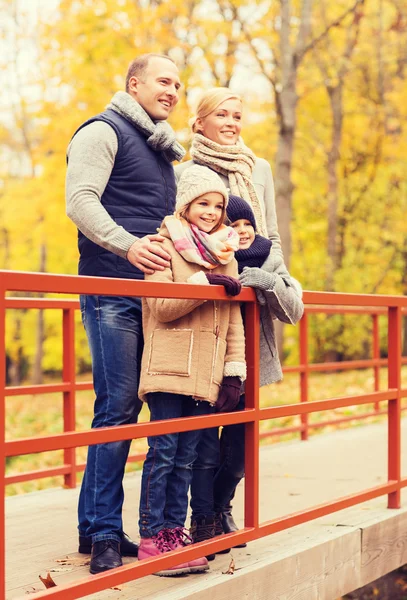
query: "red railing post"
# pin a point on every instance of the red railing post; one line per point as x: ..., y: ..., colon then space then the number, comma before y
x: 68, y: 376
x: 2, y: 438
x: 304, y: 374
x: 251, y: 488
x: 376, y: 355
x: 394, y: 405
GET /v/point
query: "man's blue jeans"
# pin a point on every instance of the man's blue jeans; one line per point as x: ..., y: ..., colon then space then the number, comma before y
x: 114, y: 331
x: 167, y: 470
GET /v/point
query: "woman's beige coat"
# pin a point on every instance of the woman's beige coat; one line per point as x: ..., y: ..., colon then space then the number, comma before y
x: 190, y: 345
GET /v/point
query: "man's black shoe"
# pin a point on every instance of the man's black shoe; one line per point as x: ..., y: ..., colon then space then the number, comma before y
x: 105, y: 555
x: 127, y: 546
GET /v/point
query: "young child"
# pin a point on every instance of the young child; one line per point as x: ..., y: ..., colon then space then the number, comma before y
x: 193, y: 356
x: 280, y: 297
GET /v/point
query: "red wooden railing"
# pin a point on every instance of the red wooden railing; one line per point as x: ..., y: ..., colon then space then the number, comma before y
x: 251, y: 416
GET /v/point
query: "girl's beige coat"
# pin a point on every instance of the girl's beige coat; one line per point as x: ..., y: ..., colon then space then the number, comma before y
x: 190, y: 345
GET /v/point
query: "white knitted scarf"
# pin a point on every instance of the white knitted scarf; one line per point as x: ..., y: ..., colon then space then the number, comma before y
x: 236, y: 162
x: 160, y: 136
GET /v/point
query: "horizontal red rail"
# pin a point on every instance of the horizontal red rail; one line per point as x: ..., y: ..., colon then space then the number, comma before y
x: 317, y: 302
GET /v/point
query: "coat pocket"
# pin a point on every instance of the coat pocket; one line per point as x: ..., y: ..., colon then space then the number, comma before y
x: 218, y: 363
x: 170, y: 352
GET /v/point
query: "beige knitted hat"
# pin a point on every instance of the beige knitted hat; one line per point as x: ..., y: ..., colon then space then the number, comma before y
x: 196, y: 181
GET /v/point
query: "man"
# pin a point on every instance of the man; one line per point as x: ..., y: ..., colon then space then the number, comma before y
x: 120, y: 185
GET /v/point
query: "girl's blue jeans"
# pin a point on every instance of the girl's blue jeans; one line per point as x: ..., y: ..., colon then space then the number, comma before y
x: 167, y: 470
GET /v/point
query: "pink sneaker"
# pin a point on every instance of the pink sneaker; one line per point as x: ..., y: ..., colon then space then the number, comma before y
x: 179, y: 538
x: 156, y: 545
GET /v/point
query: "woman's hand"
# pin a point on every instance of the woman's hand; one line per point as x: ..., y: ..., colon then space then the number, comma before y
x: 232, y: 286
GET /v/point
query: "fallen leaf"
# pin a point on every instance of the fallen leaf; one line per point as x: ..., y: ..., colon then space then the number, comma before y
x: 48, y: 581
x: 117, y: 587
x: 231, y: 568
x: 60, y: 570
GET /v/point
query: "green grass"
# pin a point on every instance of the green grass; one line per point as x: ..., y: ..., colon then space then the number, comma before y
x: 28, y: 416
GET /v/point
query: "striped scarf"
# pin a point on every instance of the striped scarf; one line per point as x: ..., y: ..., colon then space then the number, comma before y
x: 208, y: 250
x: 235, y: 162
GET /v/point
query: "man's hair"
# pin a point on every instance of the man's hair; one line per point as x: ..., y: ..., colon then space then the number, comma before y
x: 139, y: 65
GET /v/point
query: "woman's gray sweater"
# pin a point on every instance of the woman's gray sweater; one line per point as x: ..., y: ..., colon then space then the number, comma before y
x: 281, y: 300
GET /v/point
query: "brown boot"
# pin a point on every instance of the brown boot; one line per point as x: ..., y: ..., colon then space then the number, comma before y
x: 203, y: 528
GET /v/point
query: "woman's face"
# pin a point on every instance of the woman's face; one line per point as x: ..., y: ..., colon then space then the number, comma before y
x: 206, y: 211
x: 245, y: 231
x: 223, y: 125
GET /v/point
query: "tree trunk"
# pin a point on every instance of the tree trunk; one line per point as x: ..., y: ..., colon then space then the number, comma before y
x: 286, y: 104
x: 15, y: 367
x: 335, y: 97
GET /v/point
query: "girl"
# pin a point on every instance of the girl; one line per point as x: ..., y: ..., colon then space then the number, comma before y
x: 193, y: 356
x: 280, y: 297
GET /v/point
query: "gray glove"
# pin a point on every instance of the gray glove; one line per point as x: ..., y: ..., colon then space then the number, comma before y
x: 256, y: 278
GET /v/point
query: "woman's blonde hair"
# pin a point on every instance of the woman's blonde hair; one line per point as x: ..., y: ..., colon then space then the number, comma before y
x: 182, y: 213
x: 209, y: 101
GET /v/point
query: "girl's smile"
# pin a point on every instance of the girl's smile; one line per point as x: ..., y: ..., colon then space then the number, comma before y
x: 206, y: 212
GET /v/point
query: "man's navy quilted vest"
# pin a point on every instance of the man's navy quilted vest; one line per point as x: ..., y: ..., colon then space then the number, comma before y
x: 139, y: 194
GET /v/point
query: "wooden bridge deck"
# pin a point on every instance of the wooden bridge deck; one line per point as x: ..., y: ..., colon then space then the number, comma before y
x: 315, y: 561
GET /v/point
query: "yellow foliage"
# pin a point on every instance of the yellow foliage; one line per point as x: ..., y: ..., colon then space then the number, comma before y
x: 82, y: 55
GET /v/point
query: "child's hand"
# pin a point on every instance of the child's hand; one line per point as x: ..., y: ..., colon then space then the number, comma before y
x: 232, y: 286
x: 229, y: 394
x: 255, y: 277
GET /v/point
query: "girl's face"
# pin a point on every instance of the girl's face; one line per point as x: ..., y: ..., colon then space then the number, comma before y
x: 224, y: 124
x: 206, y: 212
x: 245, y: 231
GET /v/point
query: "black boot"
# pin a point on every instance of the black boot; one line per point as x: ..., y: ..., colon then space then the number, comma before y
x: 127, y: 546
x: 219, y: 531
x: 105, y: 555
x: 203, y: 528
x: 229, y: 525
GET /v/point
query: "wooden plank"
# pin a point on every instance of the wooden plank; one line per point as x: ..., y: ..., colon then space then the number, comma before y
x: 384, y: 545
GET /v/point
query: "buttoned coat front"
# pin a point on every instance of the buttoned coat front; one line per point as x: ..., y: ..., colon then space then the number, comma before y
x: 190, y: 345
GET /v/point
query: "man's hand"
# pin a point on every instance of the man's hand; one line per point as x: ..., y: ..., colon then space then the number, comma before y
x: 148, y: 257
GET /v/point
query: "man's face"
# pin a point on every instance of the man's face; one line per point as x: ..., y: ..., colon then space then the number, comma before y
x: 157, y: 89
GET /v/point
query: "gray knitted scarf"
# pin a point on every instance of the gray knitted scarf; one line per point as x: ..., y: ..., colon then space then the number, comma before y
x: 160, y: 136
x: 236, y: 162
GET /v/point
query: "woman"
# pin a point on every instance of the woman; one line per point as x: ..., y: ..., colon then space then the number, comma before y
x: 216, y: 143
